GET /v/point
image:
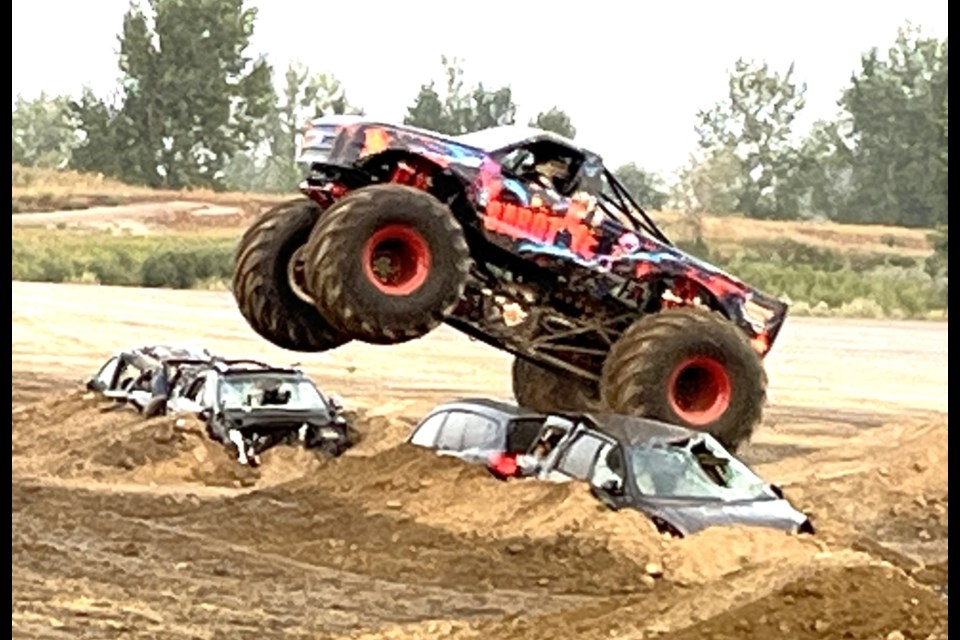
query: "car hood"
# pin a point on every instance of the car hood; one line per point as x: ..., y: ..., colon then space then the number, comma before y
x: 277, y: 417
x: 691, y: 516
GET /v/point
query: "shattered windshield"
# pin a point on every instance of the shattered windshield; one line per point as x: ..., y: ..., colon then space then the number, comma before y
x: 695, y: 468
x: 259, y: 391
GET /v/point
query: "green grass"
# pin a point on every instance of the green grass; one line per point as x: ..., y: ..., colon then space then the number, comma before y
x: 179, y: 261
x: 815, y: 280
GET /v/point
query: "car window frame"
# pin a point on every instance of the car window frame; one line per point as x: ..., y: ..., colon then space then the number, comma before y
x: 442, y: 414
x: 574, y: 438
x: 468, y: 412
x: 499, y: 432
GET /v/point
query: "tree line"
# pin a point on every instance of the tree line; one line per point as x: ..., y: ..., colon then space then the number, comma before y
x: 194, y: 109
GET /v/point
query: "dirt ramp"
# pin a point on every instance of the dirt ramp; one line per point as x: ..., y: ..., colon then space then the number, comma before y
x: 889, y: 484
x: 839, y: 597
x: 530, y: 518
x: 80, y: 436
x: 840, y: 602
x: 378, y: 429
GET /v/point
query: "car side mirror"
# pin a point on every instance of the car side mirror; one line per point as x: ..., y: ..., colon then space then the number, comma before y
x: 777, y: 491
x: 205, y: 414
x: 336, y: 402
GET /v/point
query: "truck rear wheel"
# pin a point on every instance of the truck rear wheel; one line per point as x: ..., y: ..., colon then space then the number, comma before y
x: 387, y: 263
x: 691, y: 367
x: 269, y: 285
x: 547, y: 390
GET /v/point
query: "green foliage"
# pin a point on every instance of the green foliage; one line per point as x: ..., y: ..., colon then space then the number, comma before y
x: 43, y: 135
x: 190, y: 99
x: 754, y: 124
x: 936, y: 264
x: 555, y: 120
x: 460, y: 109
x: 815, y: 279
x: 647, y: 188
x: 272, y: 167
x: 178, y: 261
x: 896, y: 134
x: 710, y: 183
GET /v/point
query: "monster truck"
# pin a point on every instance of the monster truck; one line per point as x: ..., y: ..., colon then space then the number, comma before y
x: 523, y: 240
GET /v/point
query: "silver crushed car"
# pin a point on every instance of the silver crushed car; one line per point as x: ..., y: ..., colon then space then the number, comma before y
x: 684, y: 480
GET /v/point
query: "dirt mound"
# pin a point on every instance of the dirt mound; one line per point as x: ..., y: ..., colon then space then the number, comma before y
x: 377, y: 430
x: 889, y: 483
x: 848, y: 602
x: 79, y: 435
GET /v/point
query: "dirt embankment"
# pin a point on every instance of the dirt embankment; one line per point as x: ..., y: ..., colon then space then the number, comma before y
x: 550, y: 561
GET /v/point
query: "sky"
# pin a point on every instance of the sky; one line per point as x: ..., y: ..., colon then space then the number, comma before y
x: 632, y: 75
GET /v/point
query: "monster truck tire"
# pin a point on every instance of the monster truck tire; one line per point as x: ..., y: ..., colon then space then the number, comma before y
x: 387, y: 263
x: 687, y: 366
x: 265, y: 284
x: 547, y: 390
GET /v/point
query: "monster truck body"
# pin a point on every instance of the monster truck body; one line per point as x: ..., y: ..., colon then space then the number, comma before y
x: 523, y: 240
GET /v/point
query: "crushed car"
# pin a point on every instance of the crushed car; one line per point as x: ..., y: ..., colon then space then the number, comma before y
x: 519, y: 238
x: 682, y: 479
x: 252, y: 406
x: 142, y: 377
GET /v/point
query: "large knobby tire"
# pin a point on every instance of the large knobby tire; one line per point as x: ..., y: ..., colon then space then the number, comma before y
x: 268, y: 284
x: 547, y: 390
x: 387, y: 263
x: 691, y: 367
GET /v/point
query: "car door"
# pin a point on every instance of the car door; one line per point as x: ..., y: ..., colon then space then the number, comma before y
x: 575, y: 459
x: 105, y: 378
x: 190, y: 400
x: 482, y: 436
x: 468, y: 436
x: 426, y: 433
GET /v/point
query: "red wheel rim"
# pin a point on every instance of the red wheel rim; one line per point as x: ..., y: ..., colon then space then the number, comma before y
x: 699, y: 390
x: 396, y: 260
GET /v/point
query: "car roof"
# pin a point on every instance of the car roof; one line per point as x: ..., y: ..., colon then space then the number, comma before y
x: 631, y: 430
x: 172, y: 352
x: 254, y: 368
x: 486, y: 406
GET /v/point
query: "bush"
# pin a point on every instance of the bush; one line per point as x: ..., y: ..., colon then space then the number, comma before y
x: 819, y: 281
x: 120, y: 269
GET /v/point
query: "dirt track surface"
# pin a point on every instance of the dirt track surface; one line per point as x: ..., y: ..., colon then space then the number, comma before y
x: 124, y: 528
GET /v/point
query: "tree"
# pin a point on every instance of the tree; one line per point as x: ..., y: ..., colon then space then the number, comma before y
x: 824, y: 177
x: 490, y: 109
x: 645, y: 187
x: 896, y: 133
x: 555, y: 120
x: 937, y: 262
x: 43, y: 135
x: 190, y: 98
x: 754, y: 124
x: 272, y: 165
x: 103, y: 133
x: 460, y: 109
x: 709, y: 183
x: 427, y: 111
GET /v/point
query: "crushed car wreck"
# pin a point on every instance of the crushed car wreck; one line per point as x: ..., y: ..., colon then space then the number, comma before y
x: 246, y: 404
x: 252, y: 406
x: 142, y: 377
x: 684, y: 480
